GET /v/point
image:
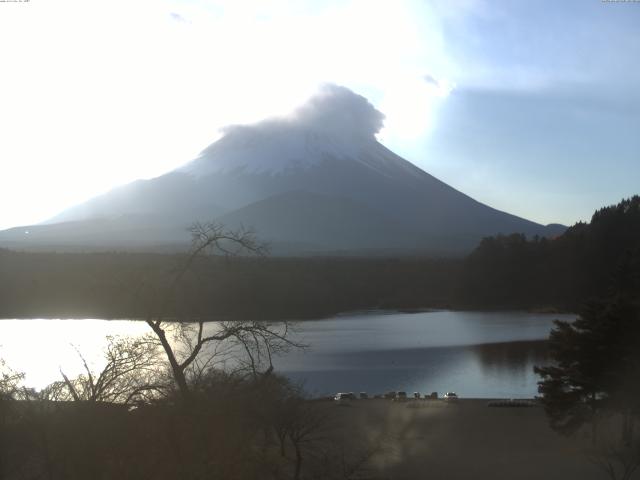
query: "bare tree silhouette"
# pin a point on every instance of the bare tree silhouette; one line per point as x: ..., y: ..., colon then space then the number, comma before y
x: 132, y: 373
x: 190, y: 344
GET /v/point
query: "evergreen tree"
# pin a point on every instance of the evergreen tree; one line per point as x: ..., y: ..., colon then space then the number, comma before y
x: 596, y: 365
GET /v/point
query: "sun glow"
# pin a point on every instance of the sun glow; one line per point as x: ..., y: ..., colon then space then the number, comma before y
x: 411, y: 107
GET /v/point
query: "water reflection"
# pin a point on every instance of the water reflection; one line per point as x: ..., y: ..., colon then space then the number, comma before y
x: 41, y: 348
x: 477, y: 354
x: 478, y: 371
x: 512, y: 358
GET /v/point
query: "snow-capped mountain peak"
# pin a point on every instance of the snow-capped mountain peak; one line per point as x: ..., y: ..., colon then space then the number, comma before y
x: 314, y: 181
x: 335, y: 124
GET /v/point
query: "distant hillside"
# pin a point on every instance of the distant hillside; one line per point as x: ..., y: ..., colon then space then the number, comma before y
x: 588, y: 260
x: 131, y: 285
x: 503, y: 272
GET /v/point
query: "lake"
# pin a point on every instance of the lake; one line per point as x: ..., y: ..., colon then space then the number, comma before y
x: 476, y: 354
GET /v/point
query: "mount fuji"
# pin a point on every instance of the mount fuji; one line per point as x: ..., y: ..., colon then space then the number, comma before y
x: 314, y: 182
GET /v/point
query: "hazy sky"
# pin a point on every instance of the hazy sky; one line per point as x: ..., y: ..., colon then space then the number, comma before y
x: 530, y: 107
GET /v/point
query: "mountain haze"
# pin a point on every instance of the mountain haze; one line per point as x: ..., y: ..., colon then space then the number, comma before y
x: 314, y: 182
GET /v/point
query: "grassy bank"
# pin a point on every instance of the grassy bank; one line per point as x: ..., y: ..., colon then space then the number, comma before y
x: 465, y: 440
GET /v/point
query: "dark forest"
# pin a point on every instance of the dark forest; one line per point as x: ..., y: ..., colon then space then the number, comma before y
x: 503, y: 272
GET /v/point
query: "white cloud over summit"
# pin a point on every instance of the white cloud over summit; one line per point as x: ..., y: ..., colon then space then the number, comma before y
x: 339, y: 109
x: 333, y: 108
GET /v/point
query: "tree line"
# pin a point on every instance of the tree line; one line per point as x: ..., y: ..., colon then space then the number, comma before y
x: 503, y: 272
x: 187, y: 400
x: 592, y: 386
x: 119, y: 285
x: 585, y: 262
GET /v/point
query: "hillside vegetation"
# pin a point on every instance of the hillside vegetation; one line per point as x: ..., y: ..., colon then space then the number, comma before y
x: 503, y: 272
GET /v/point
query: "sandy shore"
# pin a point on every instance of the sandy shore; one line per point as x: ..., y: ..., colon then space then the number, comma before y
x: 465, y: 440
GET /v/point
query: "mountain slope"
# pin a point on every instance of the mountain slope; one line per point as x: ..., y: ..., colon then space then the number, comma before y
x: 304, y: 222
x: 315, y: 181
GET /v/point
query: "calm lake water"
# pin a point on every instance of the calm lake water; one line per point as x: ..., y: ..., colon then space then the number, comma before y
x: 476, y: 354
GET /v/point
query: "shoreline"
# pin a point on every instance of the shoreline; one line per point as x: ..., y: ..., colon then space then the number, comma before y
x: 346, y: 313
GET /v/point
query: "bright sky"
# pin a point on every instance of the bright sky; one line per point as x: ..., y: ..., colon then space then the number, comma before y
x: 531, y: 107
